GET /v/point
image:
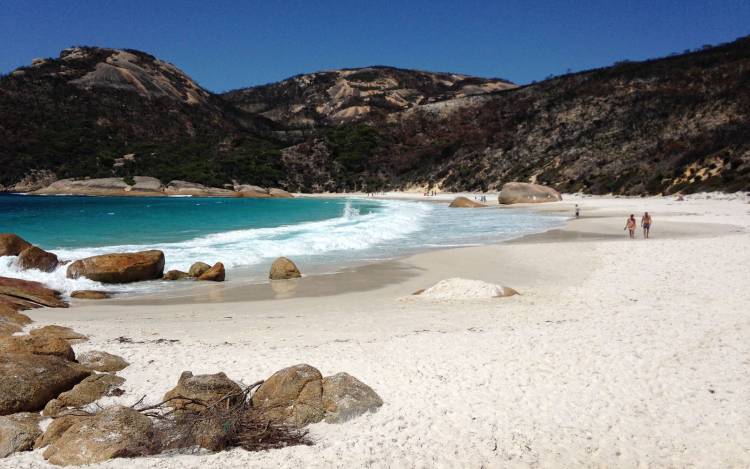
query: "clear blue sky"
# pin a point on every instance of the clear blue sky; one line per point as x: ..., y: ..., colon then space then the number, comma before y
x: 225, y: 44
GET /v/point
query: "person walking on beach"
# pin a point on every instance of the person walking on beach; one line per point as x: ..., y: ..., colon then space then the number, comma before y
x: 578, y: 211
x: 646, y: 224
x: 630, y: 226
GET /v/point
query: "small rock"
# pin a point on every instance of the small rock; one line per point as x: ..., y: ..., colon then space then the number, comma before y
x: 205, y: 388
x: 61, y: 332
x: 464, y: 202
x: 12, y: 244
x: 18, y: 432
x: 175, y: 275
x: 283, y: 269
x: 346, y: 397
x: 37, y: 258
x: 116, y: 432
x: 102, y: 361
x: 214, y: 274
x: 90, y: 295
x: 292, y: 396
x: 198, y: 268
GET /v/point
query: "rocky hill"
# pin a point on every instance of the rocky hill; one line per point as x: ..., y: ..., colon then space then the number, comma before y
x: 680, y: 123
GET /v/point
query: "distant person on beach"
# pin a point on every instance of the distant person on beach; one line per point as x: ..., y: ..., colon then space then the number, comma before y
x: 630, y: 226
x: 578, y: 211
x: 646, y: 224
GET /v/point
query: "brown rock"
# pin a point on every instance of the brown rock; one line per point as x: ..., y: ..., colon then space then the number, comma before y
x: 8, y: 328
x: 527, y: 193
x: 18, y: 432
x: 207, y: 389
x: 61, y: 332
x: 214, y: 274
x: 116, y: 432
x: 10, y: 315
x: 28, y: 382
x: 87, y: 391
x: 283, y: 269
x: 175, y: 275
x: 90, y: 295
x: 346, y: 397
x: 120, y: 268
x: 198, y: 268
x: 37, y: 345
x: 464, y: 202
x: 37, y: 258
x: 33, y: 292
x: 292, y: 396
x: 102, y: 361
x: 56, y: 429
x: 12, y: 245
x: 279, y: 194
x: 11, y: 304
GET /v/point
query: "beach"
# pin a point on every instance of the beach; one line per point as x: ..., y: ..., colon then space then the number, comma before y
x: 616, y: 353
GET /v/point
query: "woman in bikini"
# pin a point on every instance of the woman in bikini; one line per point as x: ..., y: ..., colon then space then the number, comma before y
x: 630, y: 226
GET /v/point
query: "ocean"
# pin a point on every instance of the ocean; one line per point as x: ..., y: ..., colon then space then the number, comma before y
x: 320, y: 235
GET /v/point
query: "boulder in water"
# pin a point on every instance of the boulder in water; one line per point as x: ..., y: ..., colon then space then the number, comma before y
x: 527, y: 193
x: 198, y: 268
x: 214, y: 274
x: 12, y: 244
x: 284, y: 269
x: 37, y: 258
x: 175, y: 275
x: 120, y: 268
x: 90, y: 295
x: 465, y: 202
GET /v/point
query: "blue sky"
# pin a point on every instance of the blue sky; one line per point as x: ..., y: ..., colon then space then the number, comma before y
x: 226, y: 45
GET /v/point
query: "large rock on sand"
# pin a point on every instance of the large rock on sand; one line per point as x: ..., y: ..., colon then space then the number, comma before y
x: 32, y: 292
x: 197, y: 190
x: 346, y: 397
x: 292, y: 396
x: 87, y: 391
x: 214, y: 274
x: 18, y: 432
x: 61, y: 332
x: 279, y: 193
x: 527, y: 193
x: 207, y: 389
x: 12, y: 245
x: 37, y: 345
x: 90, y: 295
x: 283, y: 269
x: 116, y: 432
x: 28, y: 382
x: 120, y: 268
x: 464, y: 202
x: 102, y: 361
x: 37, y: 258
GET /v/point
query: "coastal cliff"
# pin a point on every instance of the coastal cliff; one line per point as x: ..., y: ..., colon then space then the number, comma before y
x: 677, y: 124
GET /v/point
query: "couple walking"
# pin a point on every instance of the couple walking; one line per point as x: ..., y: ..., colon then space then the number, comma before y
x: 645, y: 223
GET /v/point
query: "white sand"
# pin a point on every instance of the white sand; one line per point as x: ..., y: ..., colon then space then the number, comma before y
x: 464, y: 289
x: 619, y: 353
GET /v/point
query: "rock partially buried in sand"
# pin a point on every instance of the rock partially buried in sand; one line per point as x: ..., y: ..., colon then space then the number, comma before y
x: 464, y: 202
x: 214, y: 274
x: 465, y: 289
x: 90, y: 295
x: 28, y: 382
x: 198, y: 268
x: 120, y: 268
x: 18, y: 432
x: 37, y: 258
x: 346, y: 397
x: 527, y: 193
x: 60, y: 332
x: 87, y: 391
x: 115, y: 432
x: 102, y: 361
x: 28, y: 291
x: 292, y: 396
x: 283, y: 269
x: 12, y: 244
x: 37, y: 345
x: 208, y: 389
x: 176, y: 275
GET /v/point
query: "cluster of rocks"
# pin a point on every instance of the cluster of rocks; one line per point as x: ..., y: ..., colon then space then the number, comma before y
x: 514, y: 193
x: 153, y: 187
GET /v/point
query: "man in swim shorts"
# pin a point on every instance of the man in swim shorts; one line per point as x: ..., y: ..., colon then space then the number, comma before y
x: 646, y: 224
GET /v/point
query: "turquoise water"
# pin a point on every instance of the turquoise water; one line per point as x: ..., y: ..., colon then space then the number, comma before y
x: 319, y: 234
